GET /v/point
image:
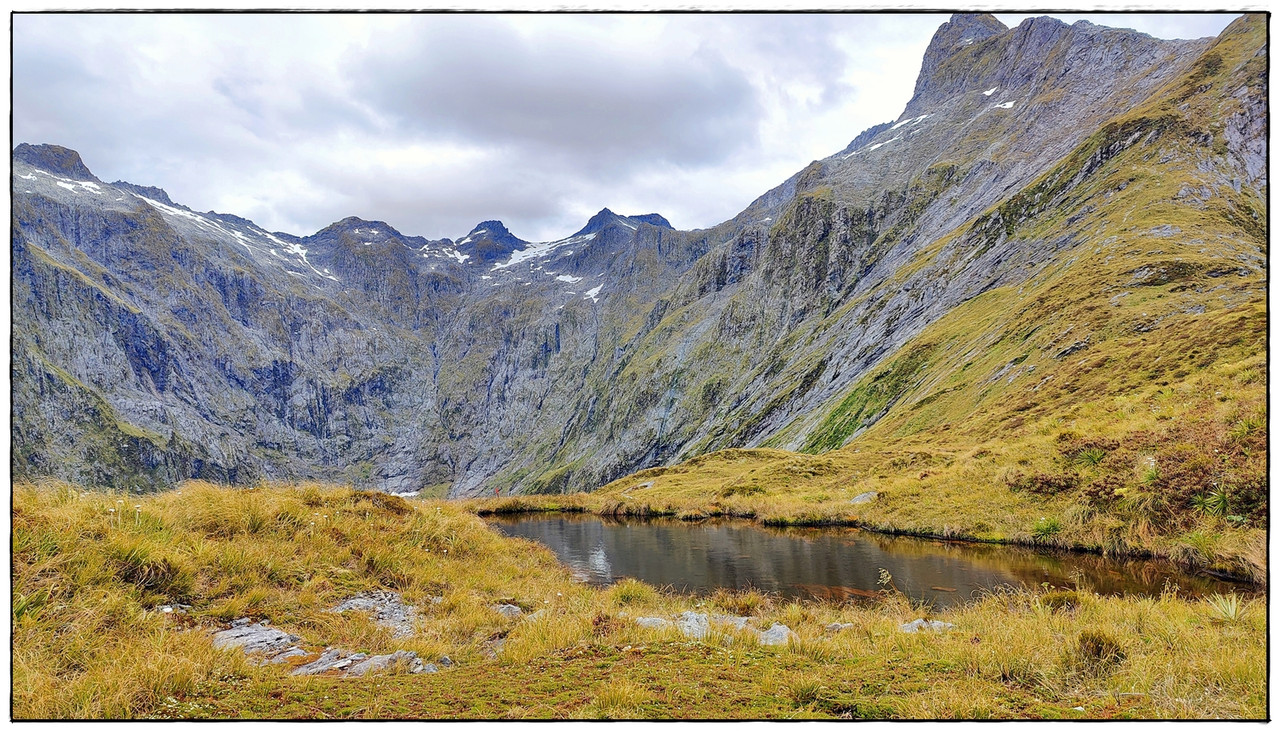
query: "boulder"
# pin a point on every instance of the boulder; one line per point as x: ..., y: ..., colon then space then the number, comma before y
x: 777, y: 635
x: 920, y: 624
x: 867, y: 497
x: 508, y: 610
x: 377, y: 663
x: 693, y: 625
x: 292, y: 652
x: 837, y: 627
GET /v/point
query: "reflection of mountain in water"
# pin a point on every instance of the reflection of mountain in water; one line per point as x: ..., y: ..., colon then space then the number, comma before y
x: 827, y: 563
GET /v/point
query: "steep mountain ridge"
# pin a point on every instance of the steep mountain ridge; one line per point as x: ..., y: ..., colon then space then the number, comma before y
x: 358, y: 353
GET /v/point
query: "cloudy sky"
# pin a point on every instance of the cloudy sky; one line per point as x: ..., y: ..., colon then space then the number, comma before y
x: 436, y: 122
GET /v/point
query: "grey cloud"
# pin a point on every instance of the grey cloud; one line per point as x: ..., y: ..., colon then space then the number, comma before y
x: 480, y: 81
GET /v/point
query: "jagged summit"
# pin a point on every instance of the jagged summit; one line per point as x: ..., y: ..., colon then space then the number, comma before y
x: 963, y: 30
x: 606, y: 218
x: 490, y: 241
x: 362, y: 229
x: 54, y: 159
x: 152, y: 192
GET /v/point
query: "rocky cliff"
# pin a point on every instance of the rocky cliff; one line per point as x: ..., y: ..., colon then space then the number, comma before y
x: 153, y: 342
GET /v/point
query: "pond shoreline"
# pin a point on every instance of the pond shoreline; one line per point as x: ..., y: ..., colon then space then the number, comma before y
x: 508, y: 507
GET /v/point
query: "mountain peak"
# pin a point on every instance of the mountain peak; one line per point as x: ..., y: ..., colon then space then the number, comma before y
x: 489, y: 241
x: 152, y: 192
x: 606, y: 217
x: 963, y: 29
x: 54, y: 159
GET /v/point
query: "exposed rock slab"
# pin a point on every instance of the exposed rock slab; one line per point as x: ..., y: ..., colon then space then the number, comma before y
x: 920, y: 624
x: 654, y: 623
x: 254, y: 638
x: 387, y: 609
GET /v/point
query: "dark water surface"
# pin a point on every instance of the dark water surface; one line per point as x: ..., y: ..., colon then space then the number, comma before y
x: 831, y: 563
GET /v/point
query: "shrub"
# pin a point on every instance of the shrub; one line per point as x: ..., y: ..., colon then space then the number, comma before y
x: 741, y: 602
x: 1045, y: 528
x: 1043, y: 483
x: 1225, y: 608
x: 1061, y: 600
x: 1098, y: 648
x: 381, y: 501
x: 632, y: 592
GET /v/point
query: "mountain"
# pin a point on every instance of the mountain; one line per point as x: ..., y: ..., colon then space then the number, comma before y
x: 1048, y: 189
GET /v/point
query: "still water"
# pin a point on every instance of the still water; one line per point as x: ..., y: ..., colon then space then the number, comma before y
x: 829, y: 563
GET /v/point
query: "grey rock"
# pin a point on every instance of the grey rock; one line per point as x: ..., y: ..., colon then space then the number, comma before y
x: 387, y: 609
x: 737, y: 621
x: 333, y: 659
x: 445, y: 661
x: 291, y: 652
x: 777, y: 635
x: 257, y: 638
x: 837, y: 627
x: 867, y: 497
x: 657, y: 623
x: 693, y: 625
x: 920, y: 624
x: 508, y: 611
x: 491, y: 648
x: 410, y: 659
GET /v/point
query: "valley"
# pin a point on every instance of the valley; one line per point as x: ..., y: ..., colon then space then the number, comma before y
x: 1028, y: 315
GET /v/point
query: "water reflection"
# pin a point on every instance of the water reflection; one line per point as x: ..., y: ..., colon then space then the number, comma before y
x: 831, y: 563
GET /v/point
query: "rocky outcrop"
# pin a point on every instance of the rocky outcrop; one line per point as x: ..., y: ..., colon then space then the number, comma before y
x: 339, y: 662
x: 274, y: 647
x: 696, y: 625
x: 258, y: 638
x: 386, y: 608
x: 920, y: 625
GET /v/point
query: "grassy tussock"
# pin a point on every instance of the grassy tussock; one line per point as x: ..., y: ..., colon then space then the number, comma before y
x: 90, y: 570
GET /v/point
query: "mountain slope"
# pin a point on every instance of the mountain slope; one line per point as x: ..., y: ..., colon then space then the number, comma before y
x: 1114, y: 398
x: 1037, y: 160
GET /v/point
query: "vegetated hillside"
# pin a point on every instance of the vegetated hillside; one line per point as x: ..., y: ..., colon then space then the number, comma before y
x: 1114, y: 398
x: 153, y: 343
